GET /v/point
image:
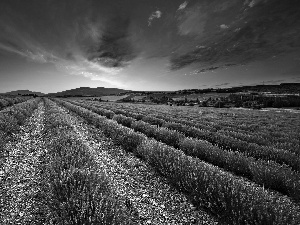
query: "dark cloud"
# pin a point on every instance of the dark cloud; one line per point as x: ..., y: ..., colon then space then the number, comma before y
x: 10, y: 44
x: 114, y: 48
x: 209, y: 69
x: 260, y: 30
x: 70, y: 56
x: 69, y: 30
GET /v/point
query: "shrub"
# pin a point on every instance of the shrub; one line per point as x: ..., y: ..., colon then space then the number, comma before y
x: 73, y: 189
x: 169, y: 137
x: 233, y: 199
x: 12, y: 118
x: 125, y: 121
x: 272, y: 176
x: 153, y: 120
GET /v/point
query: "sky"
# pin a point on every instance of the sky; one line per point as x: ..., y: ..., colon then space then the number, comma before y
x: 147, y: 45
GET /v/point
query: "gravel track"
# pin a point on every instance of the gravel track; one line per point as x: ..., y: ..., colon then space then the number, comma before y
x: 141, y: 188
x: 19, y: 174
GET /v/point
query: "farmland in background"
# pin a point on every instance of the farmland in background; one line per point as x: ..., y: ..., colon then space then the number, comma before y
x: 112, y: 98
x: 75, y: 161
x: 10, y: 101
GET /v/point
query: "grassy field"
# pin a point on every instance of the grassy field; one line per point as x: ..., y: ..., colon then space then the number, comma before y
x: 110, y: 98
x: 74, y: 161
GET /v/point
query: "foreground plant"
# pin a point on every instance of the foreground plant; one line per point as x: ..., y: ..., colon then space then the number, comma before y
x: 231, y: 198
x: 74, y: 190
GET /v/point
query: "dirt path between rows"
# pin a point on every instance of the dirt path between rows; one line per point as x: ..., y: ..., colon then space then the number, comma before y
x: 19, y: 174
x: 136, y: 183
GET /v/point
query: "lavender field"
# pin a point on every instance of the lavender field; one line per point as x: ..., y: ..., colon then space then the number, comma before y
x: 83, y: 162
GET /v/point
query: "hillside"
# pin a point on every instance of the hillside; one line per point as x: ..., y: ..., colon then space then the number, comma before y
x: 284, y: 88
x: 24, y: 92
x: 86, y: 91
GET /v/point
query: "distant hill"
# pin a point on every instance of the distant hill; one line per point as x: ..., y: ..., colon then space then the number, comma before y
x: 86, y: 91
x: 24, y: 92
x: 284, y: 88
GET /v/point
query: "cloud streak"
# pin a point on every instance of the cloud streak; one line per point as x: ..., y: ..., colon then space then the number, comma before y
x: 114, y: 48
x: 192, y: 21
x: 224, y: 26
x: 33, y: 54
x: 85, y: 43
x: 91, y: 70
x: 155, y: 15
x: 183, y: 6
